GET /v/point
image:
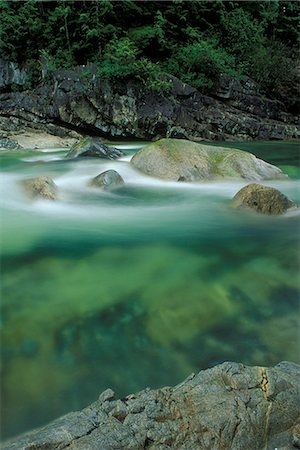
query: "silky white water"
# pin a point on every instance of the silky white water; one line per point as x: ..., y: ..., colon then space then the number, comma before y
x: 139, y: 286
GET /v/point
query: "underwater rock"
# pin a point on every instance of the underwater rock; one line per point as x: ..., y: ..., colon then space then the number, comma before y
x: 262, y: 199
x: 230, y: 406
x: 93, y: 147
x: 42, y: 186
x: 182, y: 160
x: 110, y: 179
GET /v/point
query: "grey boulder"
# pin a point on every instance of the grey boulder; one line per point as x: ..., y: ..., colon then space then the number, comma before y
x: 108, y: 180
x: 262, y: 199
x: 94, y: 148
x: 182, y: 160
x: 229, y: 407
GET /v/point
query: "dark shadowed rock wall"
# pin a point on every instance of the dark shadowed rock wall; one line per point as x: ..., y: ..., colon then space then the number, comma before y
x: 76, y: 99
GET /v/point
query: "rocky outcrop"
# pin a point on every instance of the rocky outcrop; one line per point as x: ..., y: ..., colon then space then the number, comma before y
x: 93, y: 148
x: 263, y: 199
x: 40, y: 187
x: 231, y: 406
x: 108, y: 180
x: 181, y: 160
x: 78, y: 99
x: 11, y: 74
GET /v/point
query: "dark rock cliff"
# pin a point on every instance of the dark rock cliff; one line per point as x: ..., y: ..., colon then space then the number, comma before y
x: 229, y: 407
x: 77, y: 100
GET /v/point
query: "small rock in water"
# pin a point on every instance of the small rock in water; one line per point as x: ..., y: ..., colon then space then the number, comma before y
x: 262, y: 199
x: 93, y: 147
x: 42, y: 186
x: 110, y: 179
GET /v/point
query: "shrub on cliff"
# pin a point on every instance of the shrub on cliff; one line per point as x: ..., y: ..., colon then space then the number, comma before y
x: 121, y: 60
x: 200, y: 63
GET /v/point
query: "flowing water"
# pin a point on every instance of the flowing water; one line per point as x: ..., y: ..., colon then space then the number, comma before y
x: 137, y: 287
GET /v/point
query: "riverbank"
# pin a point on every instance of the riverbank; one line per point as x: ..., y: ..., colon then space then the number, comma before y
x: 78, y: 101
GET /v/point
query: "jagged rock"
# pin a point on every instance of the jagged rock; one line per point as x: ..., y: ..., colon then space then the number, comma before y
x: 127, y: 109
x: 231, y: 406
x: 110, y: 179
x: 263, y: 199
x: 42, y: 186
x: 93, y: 147
x: 182, y: 160
x: 10, y: 74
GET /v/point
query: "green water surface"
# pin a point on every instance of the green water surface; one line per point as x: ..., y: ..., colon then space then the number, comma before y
x: 139, y: 287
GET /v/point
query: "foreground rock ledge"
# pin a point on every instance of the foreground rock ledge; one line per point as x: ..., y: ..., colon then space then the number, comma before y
x: 230, y: 406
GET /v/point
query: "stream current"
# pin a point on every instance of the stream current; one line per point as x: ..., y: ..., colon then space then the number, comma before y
x: 140, y: 286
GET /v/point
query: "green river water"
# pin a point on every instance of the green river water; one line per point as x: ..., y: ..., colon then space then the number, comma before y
x: 139, y: 287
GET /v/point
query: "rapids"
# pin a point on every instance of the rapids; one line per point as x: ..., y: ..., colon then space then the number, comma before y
x: 140, y: 286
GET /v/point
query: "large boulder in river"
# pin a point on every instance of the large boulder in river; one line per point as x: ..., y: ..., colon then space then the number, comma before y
x: 108, y: 180
x: 93, y: 147
x: 182, y: 160
x: 229, y: 407
x: 263, y: 199
x: 41, y: 187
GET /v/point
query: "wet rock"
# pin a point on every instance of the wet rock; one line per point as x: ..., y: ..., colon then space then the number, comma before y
x: 9, y: 144
x: 93, y: 147
x: 262, y: 199
x: 182, y: 160
x: 230, y: 406
x: 43, y: 187
x: 108, y: 180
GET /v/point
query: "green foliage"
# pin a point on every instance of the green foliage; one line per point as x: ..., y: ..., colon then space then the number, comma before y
x: 273, y: 66
x: 194, y: 40
x: 121, y: 60
x: 242, y: 33
x: 200, y: 63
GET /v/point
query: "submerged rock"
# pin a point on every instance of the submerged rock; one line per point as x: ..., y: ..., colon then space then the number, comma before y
x: 42, y: 186
x: 230, y: 406
x: 263, y: 199
x: 182, y: 160
x: 93, y: 147
x: 110, y: 179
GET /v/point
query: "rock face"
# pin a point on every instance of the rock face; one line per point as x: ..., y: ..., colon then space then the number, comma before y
x: 263, y: 199
x: 43, y: 187
x: 73, y: 99
x: 108, y: 180
x: 93, y: 147
x: 10, y: 74
x: 229, y: 407
x: 181, y: 160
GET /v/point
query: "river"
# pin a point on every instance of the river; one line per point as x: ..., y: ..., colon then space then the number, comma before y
x: 140, y: 286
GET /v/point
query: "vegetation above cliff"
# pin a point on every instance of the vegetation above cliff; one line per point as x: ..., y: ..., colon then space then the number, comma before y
x: 193, y: 40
